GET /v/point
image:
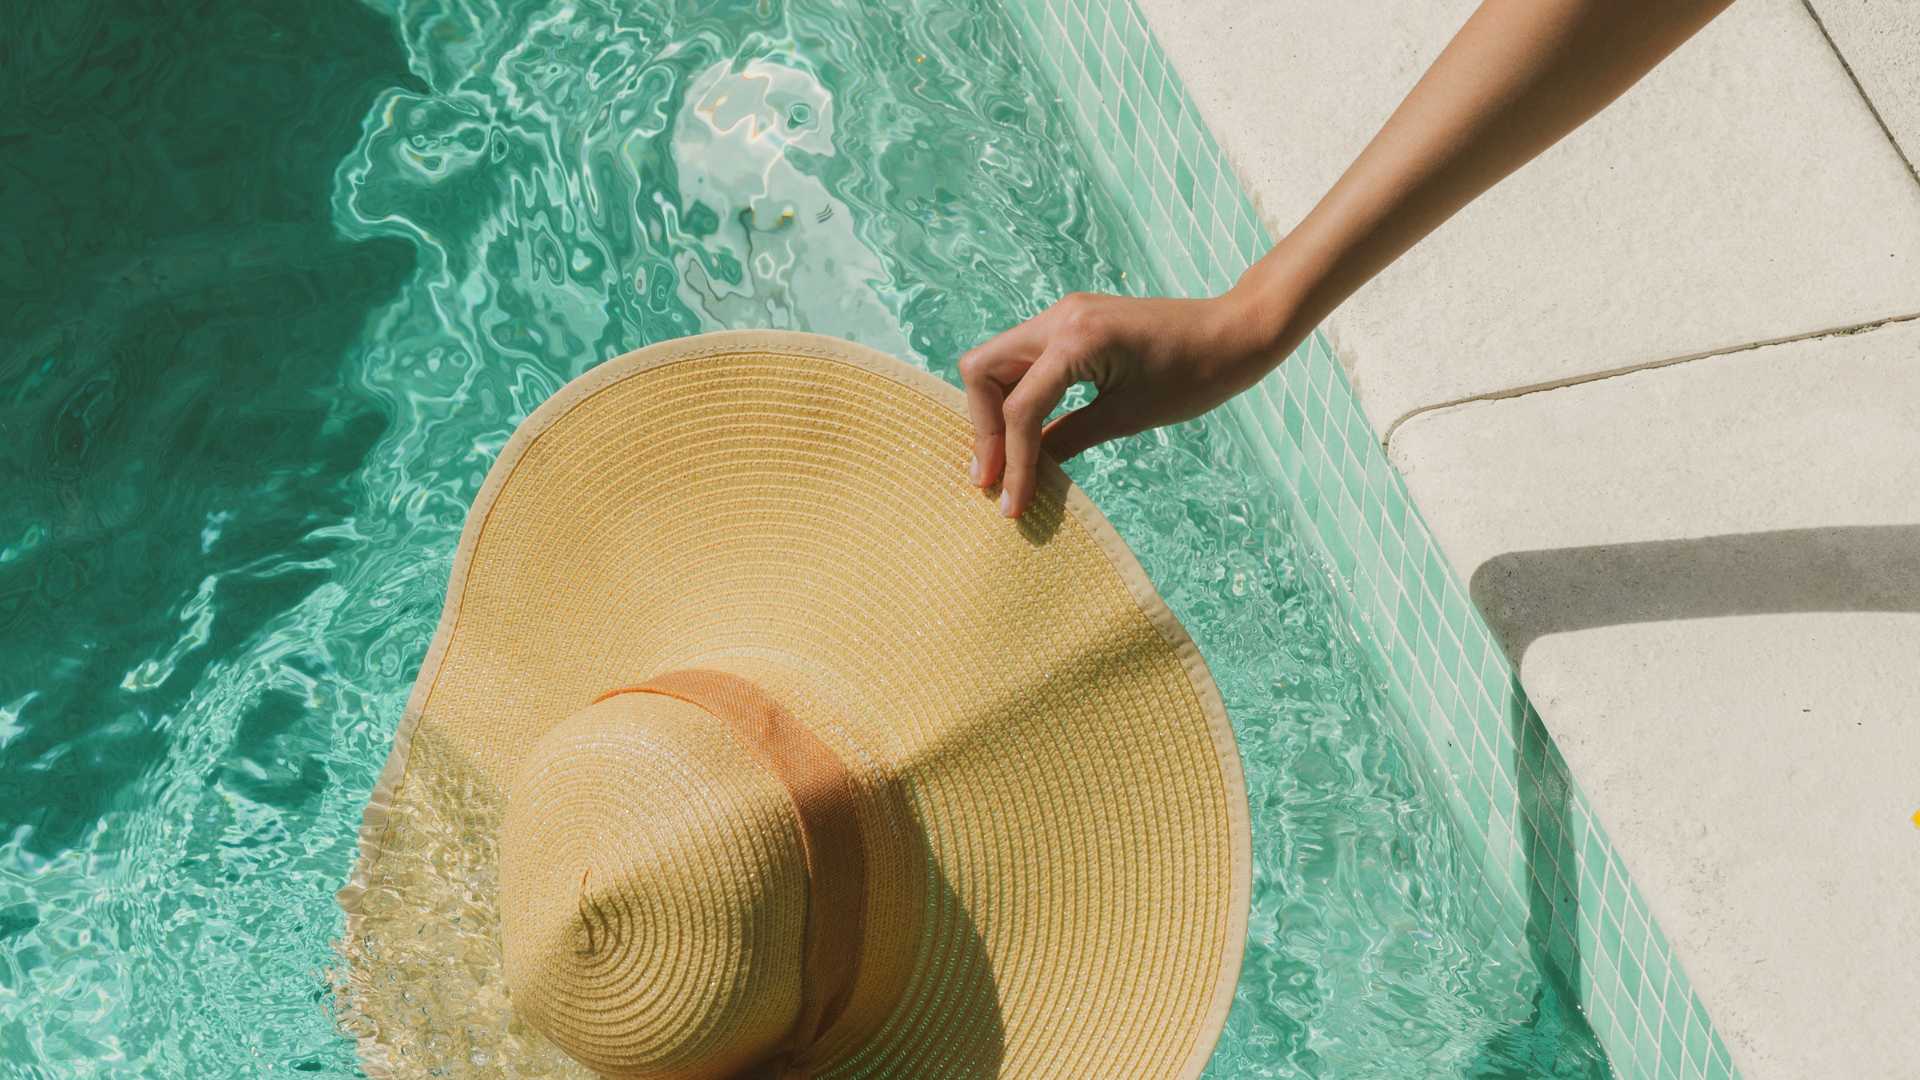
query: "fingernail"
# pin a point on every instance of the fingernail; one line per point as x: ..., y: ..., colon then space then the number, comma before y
x: 1006, y: 504
x: 973, y: 470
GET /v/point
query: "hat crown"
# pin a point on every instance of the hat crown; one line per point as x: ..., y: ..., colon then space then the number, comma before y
x: 653, y: 893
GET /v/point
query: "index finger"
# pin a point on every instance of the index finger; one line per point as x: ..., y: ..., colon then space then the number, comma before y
x: 1041, y: 388
x: 988, y: 372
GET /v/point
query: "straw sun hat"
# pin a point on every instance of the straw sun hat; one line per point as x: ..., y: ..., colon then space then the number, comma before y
x: 754, y: 742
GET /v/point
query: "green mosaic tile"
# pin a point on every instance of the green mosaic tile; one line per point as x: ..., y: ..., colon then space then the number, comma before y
x: 1671, y: 1052
x: 1653, y: 995
x: 1636, y: 927
x: 1630, y: 976
x: 1646, y: 1049
x: 1696, y: 1039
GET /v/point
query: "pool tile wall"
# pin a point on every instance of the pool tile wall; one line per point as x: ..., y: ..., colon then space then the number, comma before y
x: 1553, y: 882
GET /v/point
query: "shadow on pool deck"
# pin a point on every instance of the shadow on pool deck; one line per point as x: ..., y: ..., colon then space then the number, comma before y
x: 1527, y: 595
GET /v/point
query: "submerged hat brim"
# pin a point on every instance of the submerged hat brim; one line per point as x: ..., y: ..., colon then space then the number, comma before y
x: 798, y: 503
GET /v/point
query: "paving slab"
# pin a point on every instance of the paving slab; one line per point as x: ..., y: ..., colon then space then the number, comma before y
x: 1708, y: 575
x: 1743, y: 192
x: 1880, y: 42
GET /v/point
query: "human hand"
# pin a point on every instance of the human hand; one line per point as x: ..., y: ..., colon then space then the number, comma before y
x: 1153, y: 362
x: 1518, y: 76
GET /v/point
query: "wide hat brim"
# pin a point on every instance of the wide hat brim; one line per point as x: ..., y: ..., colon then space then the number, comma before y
x: 798, y: 502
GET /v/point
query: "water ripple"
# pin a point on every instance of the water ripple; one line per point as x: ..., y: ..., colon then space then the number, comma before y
x: 281, y: 287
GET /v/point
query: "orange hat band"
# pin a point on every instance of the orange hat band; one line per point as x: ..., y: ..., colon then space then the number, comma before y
x: 834, y: 851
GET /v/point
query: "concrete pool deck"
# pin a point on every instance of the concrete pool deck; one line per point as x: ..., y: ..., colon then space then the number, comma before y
x: 1658, y: 398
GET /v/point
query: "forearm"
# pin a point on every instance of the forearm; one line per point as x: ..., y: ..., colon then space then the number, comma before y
x: 1516, y: 78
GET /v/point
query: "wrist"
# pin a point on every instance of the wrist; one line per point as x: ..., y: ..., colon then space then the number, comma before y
x: 1262, y: 309
x: 1281, y: 298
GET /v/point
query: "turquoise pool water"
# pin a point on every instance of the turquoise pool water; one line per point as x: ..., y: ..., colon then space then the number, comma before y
x: 277, y: 282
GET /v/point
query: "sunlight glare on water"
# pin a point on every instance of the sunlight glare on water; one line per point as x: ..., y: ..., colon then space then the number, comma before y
x: 280, y: 280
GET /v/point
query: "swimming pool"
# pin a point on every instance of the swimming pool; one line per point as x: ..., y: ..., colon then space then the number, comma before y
x: 281, y: 283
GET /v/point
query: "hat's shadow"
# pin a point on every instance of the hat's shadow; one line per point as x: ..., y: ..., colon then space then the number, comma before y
x: 970, y: 1004
x: 939, y: 1002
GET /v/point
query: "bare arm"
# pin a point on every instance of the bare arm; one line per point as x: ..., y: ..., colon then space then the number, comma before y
x: 1516, y: 78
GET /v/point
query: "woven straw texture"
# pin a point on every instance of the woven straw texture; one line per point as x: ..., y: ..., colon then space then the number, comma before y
x: 1054, y: 814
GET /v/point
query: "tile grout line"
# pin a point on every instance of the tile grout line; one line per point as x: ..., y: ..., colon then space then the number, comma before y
x: 1872, y: 110
x: 1386, y: 439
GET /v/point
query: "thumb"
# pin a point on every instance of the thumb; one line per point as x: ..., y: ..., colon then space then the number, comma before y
x: 1103, y: 418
